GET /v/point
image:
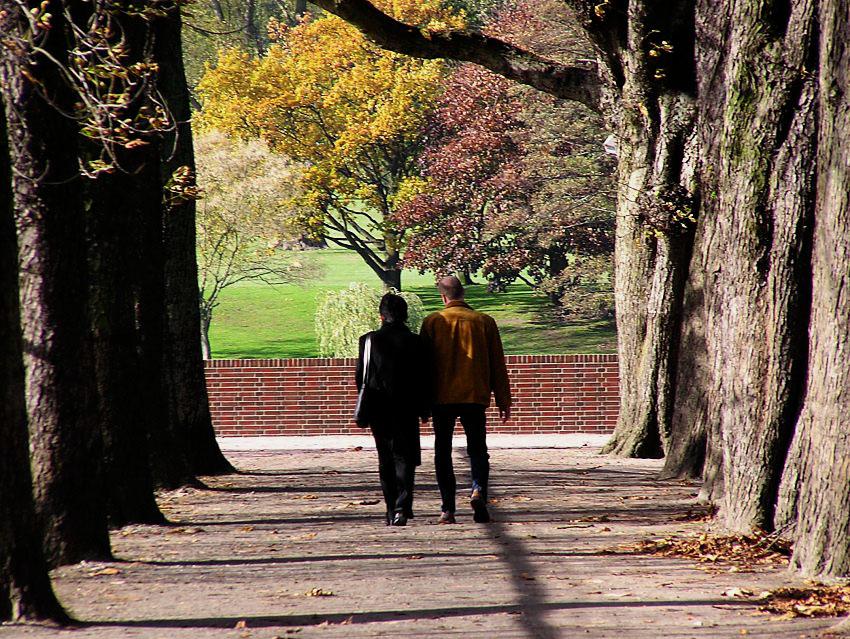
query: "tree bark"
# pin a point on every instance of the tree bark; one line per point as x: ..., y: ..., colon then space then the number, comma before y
x: 758, y: 141
x: 816, y: 485
x: 652, y: 246
x: 167, y: 439
x: 65, y: 437
x: 189, y: 403
x: 251, y: 29
x: 114, y: 235
x: 25, y: 590
x: 117, y: 202
x: 206, y: 320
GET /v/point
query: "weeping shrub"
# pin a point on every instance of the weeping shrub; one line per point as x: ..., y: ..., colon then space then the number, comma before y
x: 343, y: 316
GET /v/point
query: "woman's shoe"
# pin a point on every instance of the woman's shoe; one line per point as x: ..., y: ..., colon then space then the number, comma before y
x: 446, y: 518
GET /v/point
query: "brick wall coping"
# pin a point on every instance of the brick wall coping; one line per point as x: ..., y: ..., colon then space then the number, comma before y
x: 588, y: 358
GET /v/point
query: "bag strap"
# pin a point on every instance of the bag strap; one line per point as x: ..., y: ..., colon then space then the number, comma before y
x: 367, y: 353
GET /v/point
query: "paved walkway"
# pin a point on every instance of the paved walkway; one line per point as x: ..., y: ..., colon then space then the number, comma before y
x: 294, y: 546
x: 343, y: 442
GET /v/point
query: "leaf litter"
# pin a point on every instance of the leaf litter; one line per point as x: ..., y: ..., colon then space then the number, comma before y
x: 816, y: 600
x: 742, y: 552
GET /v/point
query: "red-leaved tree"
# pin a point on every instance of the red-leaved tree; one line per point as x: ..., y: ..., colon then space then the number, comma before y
x: 515, y: 185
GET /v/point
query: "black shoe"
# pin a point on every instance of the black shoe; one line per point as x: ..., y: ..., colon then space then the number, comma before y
x: 479, y: 507
x: 408, y: 513
x: 399, y: 520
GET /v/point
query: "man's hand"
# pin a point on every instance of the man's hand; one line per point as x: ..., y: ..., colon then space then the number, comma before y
x: 505, y: 413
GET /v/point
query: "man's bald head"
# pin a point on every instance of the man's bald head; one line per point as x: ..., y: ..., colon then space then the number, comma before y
x: 451, y: 288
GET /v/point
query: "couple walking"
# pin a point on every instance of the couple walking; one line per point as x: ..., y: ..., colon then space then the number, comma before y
x: 447, y: 372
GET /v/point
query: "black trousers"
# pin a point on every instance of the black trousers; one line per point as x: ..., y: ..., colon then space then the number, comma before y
x: 396, y: 469
x: 474, y: 422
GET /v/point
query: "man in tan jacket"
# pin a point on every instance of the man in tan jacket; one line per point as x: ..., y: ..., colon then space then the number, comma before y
x: 469, y: 365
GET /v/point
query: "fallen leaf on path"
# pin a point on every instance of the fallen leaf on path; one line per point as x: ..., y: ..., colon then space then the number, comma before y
x: 527, y: 577
x: 319, y: 592
x: 105, y: 572
x: 241, y: 624
x: 304, y: 537
x: 184, y: 530
x: 737, y: 592
x: 416, y: 557
x: 599, y: 518
x: 247, y: 528
x: 309, y: 497
x: 706, y: 513
x: 357, y: 448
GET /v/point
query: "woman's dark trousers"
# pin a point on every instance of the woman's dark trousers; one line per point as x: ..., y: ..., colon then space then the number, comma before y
x: 474, y: 421
x: 396, y: 470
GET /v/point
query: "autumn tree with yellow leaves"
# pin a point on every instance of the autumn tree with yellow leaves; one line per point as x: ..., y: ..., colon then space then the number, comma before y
x: 353, y: 113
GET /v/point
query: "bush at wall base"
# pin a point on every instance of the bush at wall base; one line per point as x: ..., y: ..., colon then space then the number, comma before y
x: 343, y: 316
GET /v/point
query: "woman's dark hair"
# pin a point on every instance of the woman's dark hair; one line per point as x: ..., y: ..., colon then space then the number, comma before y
x: 393, y: 308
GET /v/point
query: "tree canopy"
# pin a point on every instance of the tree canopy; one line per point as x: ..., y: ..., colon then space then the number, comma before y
x: 351, y: 112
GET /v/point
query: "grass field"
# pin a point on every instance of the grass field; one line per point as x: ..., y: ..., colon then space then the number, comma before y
x: 255, y: 320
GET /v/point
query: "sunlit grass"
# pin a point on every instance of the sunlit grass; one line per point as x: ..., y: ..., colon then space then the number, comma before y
x: 255, y: 320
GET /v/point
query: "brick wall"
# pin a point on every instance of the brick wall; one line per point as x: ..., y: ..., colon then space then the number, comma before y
x: 552, y: 394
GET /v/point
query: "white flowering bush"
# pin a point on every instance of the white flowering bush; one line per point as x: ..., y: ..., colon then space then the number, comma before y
x: 343, y: 316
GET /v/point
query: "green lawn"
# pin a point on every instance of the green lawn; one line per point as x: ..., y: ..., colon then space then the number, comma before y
x: 256, y: 320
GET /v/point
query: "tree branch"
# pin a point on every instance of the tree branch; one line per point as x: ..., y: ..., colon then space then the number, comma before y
x: 567, y: 82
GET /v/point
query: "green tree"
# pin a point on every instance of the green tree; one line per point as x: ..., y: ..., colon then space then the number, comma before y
x: 351, y: 112
x: 244, y: 223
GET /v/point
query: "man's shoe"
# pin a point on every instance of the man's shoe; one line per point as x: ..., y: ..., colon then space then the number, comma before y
x: 408, y: 514
x: 399, y: 520
x: 479, y: 507
x: 446, y: 518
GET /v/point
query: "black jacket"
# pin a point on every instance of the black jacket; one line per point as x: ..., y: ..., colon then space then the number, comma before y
x: 399, y: 372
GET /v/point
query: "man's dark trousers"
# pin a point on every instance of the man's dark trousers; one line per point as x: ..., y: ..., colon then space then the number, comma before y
x: 474, y: 421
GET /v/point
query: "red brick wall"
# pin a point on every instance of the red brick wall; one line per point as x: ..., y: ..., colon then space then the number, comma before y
x: 552, y: 394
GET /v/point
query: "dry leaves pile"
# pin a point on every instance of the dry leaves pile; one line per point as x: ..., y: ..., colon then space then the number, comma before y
x: 817, y: 600
x: 743, y: 552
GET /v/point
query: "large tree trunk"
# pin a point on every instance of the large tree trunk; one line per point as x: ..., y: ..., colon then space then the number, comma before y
x: 757, y: 138
x: 816, y: 487
x: 169, y: 450
x: 114, y: 236
x: 653, y: 234
x: 61, y: 397
x: 118, y: 202
x: 189, y: 403
x: 25, y: 591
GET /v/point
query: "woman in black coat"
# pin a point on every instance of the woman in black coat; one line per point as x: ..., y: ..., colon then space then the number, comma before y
x: 399, y: 392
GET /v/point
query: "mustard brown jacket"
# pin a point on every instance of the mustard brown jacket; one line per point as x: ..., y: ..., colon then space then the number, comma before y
x: 468, y: 358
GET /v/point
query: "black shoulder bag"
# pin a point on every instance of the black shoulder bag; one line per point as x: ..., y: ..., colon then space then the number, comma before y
x: 366, y: 397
